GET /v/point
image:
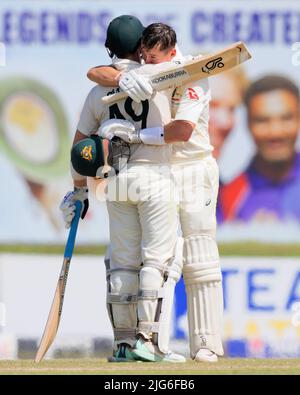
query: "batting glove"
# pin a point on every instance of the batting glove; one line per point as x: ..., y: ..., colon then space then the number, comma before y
x: 137, y: 86
x: 68, y: 204
x: 121, y: 128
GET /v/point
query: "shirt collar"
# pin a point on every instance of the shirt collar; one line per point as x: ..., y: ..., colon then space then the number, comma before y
x: 124, y: 64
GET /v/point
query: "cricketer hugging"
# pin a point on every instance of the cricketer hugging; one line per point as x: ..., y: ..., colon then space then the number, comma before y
x: 163, y: 184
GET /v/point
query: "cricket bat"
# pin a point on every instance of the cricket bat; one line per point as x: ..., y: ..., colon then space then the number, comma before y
x: 179, y: 73
x: 57, y: 304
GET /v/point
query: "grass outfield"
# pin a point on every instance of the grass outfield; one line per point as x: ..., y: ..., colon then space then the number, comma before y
x: 101, y: 367
x: 250, y: 248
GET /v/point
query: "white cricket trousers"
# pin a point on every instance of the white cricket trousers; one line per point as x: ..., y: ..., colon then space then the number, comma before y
x: 198, y: 190
x: 197, y: 186
x: 142, y: 217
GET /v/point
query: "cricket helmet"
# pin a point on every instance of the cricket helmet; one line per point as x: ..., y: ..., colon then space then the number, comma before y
x: 87, y: 156
x: 124, y: 35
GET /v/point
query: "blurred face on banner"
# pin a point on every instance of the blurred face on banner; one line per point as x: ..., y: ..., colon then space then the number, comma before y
x: 227, y: 94
x: 273, y: 119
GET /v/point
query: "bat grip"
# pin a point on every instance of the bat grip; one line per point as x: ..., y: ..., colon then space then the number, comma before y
x: 114, y: 97
x: 73, y: 230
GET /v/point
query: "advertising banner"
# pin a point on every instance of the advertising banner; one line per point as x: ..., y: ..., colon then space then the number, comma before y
x: 261, y: 307
x: 46, y: 49
x: 261, y: 303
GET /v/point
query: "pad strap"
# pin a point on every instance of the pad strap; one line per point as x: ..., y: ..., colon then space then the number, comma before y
x: 151, y: 294
x: 149, y: 327
x: 121, y: 299
x: 121, y: 334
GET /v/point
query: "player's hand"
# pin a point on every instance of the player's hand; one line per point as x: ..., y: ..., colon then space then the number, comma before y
x: 68, y: 204
x: 137, y: 86
x: 121, y: 128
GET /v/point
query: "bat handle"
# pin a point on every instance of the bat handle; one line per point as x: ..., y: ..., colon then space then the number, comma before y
x: 72, y: 234
x: 114, y: 97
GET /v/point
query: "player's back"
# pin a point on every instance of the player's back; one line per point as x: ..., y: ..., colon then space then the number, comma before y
x: 147, y: 114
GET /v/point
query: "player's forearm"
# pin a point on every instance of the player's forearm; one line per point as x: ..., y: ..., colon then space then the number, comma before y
x: 80, y: 184
x: 173, y: 132
x: 178, y: 131
x: 104, y: 75
x: 78, y: 180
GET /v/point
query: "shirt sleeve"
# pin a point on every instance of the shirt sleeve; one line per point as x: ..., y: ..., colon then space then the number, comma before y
x: 90, y: 116
x: 195, y: 97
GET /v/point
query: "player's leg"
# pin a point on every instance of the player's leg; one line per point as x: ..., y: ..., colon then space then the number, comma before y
x: 123, y: 263
x: 201, y: 264
x: 155, y: 312
x: 159, y: 273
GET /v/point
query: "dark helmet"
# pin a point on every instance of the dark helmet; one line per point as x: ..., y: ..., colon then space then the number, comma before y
x: 124, y: 35
x: 87, y: 156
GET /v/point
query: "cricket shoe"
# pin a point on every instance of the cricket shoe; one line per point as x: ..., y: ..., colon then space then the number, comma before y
x: 148, y: 352
x: 205, y: 355
x: 122, y: 354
